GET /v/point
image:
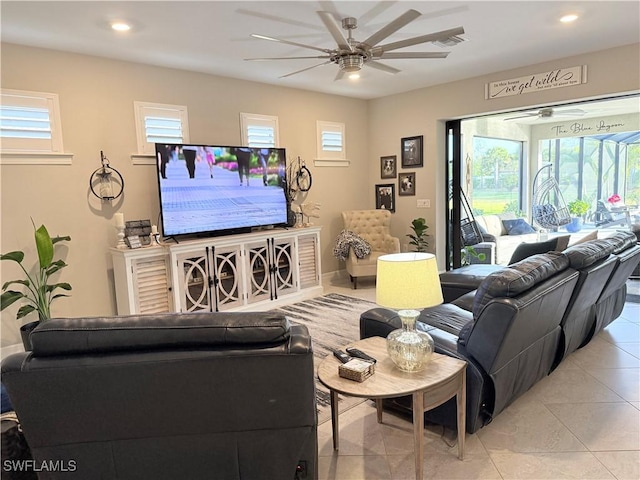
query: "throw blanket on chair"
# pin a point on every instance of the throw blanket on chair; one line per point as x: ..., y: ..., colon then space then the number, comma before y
x: 348, y: 239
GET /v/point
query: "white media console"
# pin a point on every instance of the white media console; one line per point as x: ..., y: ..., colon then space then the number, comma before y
x: 257, y: 270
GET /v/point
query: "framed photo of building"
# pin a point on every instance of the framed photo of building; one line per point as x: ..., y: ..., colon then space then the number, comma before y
x: 386, y: 197
x: 411, y: 148
x: 407, y: 184
x: 388, y: 167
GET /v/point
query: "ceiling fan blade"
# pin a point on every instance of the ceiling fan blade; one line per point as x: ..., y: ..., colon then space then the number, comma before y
x: 305, y: 69
x: 339, y: 75
x: 569, y: 112
x: 382, y: 66
x: 276, y: 18
x: 295, y: 44
x: 396, y: 55
x: 372, y: 13
x: 335, y: 30
x: 282, y: 58
x: 431, y: 37
x: 392, y: 27
x: 524, y: 115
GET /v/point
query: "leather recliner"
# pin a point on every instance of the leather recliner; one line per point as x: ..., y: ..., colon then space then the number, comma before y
x: 208, y: 395
x: 509, y: 339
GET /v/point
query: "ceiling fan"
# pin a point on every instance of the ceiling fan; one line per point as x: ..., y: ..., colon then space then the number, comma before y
x: 549, y: 112
x: 351, y: 55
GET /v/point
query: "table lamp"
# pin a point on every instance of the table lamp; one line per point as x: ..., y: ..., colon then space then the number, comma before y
x: 407, y: 282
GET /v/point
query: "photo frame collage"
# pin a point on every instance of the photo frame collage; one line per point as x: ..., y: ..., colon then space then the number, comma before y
x: 411, y: 149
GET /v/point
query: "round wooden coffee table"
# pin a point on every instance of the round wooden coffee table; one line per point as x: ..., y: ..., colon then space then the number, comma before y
x: 443, y: 378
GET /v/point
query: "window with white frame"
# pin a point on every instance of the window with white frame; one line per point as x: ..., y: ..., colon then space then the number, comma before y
x: 331, y: 141
x: 30, y: 122
x: 260, y: 131
x: 160, y: 123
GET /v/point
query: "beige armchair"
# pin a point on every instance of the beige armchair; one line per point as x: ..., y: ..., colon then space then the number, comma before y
x: 372, y: 226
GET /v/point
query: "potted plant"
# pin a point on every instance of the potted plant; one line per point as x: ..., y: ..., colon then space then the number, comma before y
x: 419, y: 236
x: 578, y: 209
x: 36, y: 289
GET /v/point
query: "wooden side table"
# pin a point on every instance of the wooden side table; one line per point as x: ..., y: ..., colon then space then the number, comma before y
x: 443, y: 378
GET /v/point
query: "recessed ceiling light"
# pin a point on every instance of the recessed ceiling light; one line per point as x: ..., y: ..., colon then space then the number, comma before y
x: 569, y: 18
x: 120, y: 26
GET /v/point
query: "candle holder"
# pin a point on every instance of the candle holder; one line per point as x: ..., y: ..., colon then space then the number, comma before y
x: 120, y: 233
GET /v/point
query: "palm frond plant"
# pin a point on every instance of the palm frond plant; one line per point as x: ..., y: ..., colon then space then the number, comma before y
x: 36, y: 289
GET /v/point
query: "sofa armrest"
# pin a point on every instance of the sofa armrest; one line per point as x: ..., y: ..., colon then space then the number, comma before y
x: 392, y: 244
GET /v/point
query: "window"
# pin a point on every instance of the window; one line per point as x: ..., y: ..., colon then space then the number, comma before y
x: 30, y: 123
x: 331, y: 141
x: 259, y: 131
x: 159, y: 123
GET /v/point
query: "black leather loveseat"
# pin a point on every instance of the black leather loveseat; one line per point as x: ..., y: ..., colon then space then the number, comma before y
x: 228, y: 396
x: 520, y: 322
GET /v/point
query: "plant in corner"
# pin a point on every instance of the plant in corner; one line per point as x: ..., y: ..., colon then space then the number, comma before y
x: 419, y: 236
x: 578, y: 209
x: 37, y: 291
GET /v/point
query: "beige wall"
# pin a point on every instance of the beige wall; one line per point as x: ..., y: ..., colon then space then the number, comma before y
x: 424, y: 112
x: 96, y: 101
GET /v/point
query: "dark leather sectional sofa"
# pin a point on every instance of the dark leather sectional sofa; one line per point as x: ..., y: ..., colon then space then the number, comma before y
x: 515, y: 324
x: 193, y: 396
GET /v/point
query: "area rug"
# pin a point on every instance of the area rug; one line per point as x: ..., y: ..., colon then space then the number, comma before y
x: 333, y: 321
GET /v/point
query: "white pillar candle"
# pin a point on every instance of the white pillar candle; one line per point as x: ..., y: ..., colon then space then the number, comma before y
x: 154, y: 229
x: 119, y: 219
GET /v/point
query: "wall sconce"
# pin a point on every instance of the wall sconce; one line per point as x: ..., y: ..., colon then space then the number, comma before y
x: 107, y: 180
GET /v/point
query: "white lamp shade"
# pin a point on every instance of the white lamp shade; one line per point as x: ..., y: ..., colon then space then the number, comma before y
x: 408, y: 281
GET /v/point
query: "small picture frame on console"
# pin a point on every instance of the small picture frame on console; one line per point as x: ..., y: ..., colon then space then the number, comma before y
x: 386, y: 197
x: 411, y: 148
x: 407, y: 184
x: 388, y: 166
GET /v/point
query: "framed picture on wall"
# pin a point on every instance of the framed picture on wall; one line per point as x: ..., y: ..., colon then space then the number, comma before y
x: 388, y: 167
x: 407, y: 183
x: 386, y: 197
x: 411, y: 148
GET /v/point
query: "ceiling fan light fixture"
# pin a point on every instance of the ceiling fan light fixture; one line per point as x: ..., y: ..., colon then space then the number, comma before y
x: 572, y: 17
x: 350, y: 63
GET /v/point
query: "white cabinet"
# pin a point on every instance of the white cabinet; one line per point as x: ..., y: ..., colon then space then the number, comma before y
x: 249, y: 271
x: 142, y: 280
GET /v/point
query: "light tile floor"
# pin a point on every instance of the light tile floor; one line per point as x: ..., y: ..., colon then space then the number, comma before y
x: 581, y: 422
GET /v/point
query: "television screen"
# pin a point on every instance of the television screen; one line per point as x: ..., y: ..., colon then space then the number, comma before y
x: 214, y: 189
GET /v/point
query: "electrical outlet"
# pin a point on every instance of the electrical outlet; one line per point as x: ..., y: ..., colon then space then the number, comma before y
x: 423, y: 203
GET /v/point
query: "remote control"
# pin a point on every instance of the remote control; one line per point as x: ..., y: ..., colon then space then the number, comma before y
x: 354, y: 352
x: 340, y: 355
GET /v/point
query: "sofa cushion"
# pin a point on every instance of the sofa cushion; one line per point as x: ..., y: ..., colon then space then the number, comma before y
x: 64, y: 336
x: 492, y: 224
x: 620, y: 241
x: 586, y: 254
x: 519, y: 277
x: 591, y: 236
x: 518, y: 226
x: 525, y: 250
x: 563, y: 243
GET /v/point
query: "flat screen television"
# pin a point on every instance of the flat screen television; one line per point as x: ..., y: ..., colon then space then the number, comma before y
x: 215, y: 190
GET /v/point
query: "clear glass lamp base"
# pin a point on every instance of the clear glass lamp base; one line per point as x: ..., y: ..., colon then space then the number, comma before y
x: 409, y: 348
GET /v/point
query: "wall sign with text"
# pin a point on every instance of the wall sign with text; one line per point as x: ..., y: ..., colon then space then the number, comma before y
x: 561, y: 77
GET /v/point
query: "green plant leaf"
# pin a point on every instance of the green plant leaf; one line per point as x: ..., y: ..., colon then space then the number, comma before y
x: 25, y: 310
x: 44, y: 245
x: 55, y: 240
x: 55, y: 266
x: 64, y: 286
x: 9, y: 297
x: 15, y: 256
x: 26, y: 283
